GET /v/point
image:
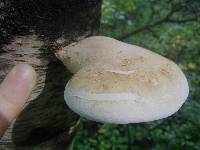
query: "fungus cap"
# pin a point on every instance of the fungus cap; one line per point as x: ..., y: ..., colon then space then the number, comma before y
x: 130, y: 85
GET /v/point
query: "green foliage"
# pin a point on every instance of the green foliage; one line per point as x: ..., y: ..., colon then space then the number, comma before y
x: 172, y: 29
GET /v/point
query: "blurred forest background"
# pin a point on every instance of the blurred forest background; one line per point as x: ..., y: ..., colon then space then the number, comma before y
x: 172, y: 29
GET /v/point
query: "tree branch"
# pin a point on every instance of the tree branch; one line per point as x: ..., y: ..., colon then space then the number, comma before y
x: 146, y: 27
x: 182, y: 21
x: 175, y: 8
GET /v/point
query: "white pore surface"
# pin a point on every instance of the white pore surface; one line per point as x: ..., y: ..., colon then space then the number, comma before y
x: 122, y: 108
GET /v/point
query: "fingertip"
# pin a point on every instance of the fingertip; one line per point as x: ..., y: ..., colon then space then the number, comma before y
x: 14, y: 92
x: 23, y: 73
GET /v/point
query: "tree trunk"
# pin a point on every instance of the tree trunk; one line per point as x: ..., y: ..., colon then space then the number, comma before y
x: 30, y: 30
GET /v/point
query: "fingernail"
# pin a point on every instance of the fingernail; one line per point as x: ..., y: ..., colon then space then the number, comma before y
x: 23, y: 72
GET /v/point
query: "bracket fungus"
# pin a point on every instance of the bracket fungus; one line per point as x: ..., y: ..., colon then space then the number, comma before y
x: 115, y: 82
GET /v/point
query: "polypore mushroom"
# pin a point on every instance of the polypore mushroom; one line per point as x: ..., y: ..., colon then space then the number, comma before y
x: 115, y: 82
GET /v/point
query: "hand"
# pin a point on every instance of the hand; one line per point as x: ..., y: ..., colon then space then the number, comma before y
x: 14, y: 91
